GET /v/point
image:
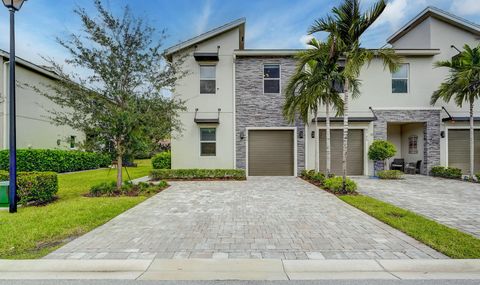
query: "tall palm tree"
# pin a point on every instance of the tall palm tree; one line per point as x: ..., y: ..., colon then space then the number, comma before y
x: 345, y: 27
x: 312, y: 86
x: 463, y: 85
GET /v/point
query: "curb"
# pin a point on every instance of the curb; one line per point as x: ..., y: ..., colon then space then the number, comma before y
x: 239, y: 269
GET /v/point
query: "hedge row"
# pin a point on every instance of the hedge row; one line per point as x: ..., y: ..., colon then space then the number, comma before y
x: 34, y: 187
x: 333, y: 183
x: 192, y: 174
x: 390, y: 174
x: 446, y: 172
x: 54, y: 160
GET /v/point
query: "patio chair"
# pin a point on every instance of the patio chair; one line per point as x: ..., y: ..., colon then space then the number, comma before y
x: 398, y: 164
x: 413, y: 167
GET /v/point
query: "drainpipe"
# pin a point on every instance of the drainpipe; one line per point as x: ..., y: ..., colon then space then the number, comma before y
x: 5, y: 103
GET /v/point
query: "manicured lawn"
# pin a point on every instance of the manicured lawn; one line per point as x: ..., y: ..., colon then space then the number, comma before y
x: 448, y: 241
x: 35, y: 231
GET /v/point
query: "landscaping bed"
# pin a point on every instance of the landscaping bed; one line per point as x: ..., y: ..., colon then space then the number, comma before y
x: 198, y: 174
x: 448, y: 241
x: 109, y: 189
x: 331, y: 184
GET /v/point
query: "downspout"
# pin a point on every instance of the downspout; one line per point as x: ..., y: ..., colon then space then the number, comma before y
x: 5, y: 107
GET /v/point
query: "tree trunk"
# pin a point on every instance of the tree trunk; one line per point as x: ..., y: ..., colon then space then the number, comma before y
x: 317, y: 144
x: 345, y: 134
x: 327, y: 138
x: 472, y: 143
x: 119, y: 172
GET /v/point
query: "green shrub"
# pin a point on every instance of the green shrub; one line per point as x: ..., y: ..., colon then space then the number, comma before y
x: 390, y: 174
x: 162, y: 160
x: 189, y: 174
x: 128, y: 189
x: 334, y: 185
x: 54, y: 160
x: 446, y: 172
x: 478, y: 176
x: 34, y: 187
x: 313, y: 176
x: 381, y: 150
x: 104, y: 189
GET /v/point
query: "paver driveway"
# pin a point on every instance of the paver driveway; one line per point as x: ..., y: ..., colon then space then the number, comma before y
x: 450, y: 202
x: 264, y: 217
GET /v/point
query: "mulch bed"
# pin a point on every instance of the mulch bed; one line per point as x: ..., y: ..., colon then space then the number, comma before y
x: 131, y: 193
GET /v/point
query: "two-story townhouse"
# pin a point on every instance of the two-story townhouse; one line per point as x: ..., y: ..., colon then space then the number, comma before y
x: 35, y: 129
x: 235, y: 97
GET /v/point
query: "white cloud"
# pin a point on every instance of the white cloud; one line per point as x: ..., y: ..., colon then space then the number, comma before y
x: 202, y: 21
x: 394, y: 14
x: 465, y: 7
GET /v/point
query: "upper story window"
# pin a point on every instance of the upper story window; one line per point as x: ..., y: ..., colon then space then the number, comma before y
x: 208, y: 141
x: 207, y: 79
x: 271, y: 78
x: 400, y: 79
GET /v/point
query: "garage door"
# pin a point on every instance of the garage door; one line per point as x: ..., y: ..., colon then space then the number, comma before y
x: 270, y: 153
x: 459, y: 150
x: 355, y: 151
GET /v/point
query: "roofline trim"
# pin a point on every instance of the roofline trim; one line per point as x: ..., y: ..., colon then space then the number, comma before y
x: 292, y: 52
x: 30, y: 65
x: 202, y: 37
x: 444, y: 15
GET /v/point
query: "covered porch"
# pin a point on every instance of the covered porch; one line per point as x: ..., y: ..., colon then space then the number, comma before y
x: 409, y: 140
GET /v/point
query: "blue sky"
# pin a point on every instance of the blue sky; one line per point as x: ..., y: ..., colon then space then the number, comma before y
x: 270, y: 23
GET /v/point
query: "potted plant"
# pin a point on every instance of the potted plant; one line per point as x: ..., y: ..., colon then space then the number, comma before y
x: 381, y: 150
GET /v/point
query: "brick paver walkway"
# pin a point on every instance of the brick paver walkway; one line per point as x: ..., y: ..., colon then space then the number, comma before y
x: 450, y: 202
x: 264, y: 217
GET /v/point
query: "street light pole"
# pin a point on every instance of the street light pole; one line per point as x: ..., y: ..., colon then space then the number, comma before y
x: 12, y: 120
x: 12, y: 6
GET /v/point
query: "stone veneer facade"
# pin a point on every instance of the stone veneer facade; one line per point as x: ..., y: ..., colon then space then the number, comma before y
x: 255, y: 109
x: 431, y: 132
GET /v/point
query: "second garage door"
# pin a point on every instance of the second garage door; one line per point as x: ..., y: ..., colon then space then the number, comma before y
x: 459, y: 150
x: 270, y: 153
x: 355, y: 151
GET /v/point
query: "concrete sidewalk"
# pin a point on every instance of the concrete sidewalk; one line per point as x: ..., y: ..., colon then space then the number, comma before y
x: 239, y: 269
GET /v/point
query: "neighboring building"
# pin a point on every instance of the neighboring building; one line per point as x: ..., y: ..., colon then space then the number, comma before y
x: 234, y: 104
x: 34, y: 128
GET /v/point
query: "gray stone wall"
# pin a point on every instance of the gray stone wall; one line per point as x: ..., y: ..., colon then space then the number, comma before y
x: 431, y: 131
x: 255, y: 109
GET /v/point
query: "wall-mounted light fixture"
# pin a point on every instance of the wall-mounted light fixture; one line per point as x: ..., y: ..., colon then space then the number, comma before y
x: 300, y: 134
x: 313, y: 134
x: 242, y: 135
x: 442, y: 134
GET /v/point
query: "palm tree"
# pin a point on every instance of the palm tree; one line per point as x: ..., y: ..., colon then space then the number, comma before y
x: 463, y: 85
x: 345, y: 27
x: 310, y: 87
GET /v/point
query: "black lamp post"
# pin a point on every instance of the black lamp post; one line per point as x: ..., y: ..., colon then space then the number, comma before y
x: 12, y: 6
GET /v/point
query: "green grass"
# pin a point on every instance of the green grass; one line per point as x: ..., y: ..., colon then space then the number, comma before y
x: 35, y: 231
x: 448, y: 241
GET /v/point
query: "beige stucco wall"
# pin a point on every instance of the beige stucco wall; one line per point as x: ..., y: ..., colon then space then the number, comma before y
x: 186, y: 146
x: 34, y: 128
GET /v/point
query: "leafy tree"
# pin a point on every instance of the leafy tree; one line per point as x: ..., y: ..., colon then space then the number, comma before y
x: 381, y: 150
x: 118, y: 99
x: 345, y: 28
x: 311, y: 86
x: 463, y: 86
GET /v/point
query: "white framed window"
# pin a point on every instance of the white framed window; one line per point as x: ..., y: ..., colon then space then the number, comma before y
x: 208, y: 141
x: 208, y: 84
x: 271, y: 78
x: 400, y: 79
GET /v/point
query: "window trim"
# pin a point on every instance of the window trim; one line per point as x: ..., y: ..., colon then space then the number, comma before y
x: 279, y: 78
x: 407, y: 78
x: 201, y: 141
x: 200, y: 78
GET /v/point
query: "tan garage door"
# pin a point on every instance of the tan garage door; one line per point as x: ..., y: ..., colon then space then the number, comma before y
x: 459, y: 150
x: 270, y: 153
x: 355, y: 151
